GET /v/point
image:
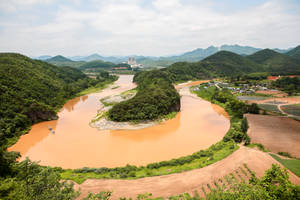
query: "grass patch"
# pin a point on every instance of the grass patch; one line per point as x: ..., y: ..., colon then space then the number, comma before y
x: 97, y: 88
x: 286, y: 154
x: 291, y: 164
x: 105, y: 103
x: 259, y: 146
x: 199, y: 159
x: 171, y: 115
x: 128, y: 93
x: 293, y: 109
x: 115, y: 87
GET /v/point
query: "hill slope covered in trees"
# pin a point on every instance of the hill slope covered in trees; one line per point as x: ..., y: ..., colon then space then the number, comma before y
x: 275, y: 62
x: 294, y: 53
x: 32, y: 91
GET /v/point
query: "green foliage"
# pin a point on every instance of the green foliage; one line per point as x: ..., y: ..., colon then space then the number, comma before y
x: 244, y: 125
x: 155, y: 97
x: 291, y: 164
x: 274, y: 184
x: 259, y: 146
x: 286, y: 154
x: 198, y: 159
x: 31, y: 181
x: 98, y: 196
x: 255, y: 76
x: 288, y: 85
x: 32, y: 91
x: 184, y: 71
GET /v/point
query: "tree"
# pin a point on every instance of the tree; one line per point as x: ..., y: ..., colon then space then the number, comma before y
x: 244, y: 125
x: 34, y: 182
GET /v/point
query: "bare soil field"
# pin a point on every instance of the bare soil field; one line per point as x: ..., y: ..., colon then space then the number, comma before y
x: 276, y: 133
x: 190, y: 181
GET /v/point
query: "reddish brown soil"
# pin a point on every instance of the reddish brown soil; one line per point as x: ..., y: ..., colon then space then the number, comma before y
x: 190, y: 181
x: 276, y: 133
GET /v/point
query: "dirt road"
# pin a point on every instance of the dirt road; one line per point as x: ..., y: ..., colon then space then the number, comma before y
x: 190, y: 181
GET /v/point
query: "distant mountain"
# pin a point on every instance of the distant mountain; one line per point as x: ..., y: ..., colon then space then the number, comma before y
x: 275, y: 62
x: 199, y: 54
x: 281, y: 50
x: 93, y: 57
x: 58, y: 58
x: 63, y: 61
x: 228, y: 63
x: 44, y: 57
x: 242, y: 50
x: 294, y: 53
x: 77, y: 58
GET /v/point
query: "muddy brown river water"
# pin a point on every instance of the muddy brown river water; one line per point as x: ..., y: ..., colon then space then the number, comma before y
x: 75, y: 144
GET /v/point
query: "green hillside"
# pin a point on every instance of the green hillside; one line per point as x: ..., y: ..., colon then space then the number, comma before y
x: 32, y: 91
x: 63, y: 61
x: 97, y: 64
x: 294, y: 53
x: 275, y: 62
x: 228, y: 63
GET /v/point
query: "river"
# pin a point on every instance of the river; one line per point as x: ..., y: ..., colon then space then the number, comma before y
x: 75, y: 144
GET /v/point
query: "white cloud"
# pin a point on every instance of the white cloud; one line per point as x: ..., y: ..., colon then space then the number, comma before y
x: 124, y: 27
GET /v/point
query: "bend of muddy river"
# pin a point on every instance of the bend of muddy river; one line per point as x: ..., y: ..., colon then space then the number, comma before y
x: 75, y: 144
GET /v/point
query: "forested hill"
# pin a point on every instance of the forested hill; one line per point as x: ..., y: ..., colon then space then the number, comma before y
x: 294, y: 53
x: 276, y: 62
x: 31, y: 91
x: 225, y: 62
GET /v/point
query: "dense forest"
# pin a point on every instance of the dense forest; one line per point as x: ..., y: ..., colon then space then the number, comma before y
x: 276, y: 63
x: 224, y: 64
x: 287, y: 84
x: 33, y: 91
x: 156, y: 97
x: 294, y: 53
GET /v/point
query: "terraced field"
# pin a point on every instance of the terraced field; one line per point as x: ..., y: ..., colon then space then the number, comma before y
x: 201, y: 180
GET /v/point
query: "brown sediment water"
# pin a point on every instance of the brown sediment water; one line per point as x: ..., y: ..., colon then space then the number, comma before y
x: 75, y: 144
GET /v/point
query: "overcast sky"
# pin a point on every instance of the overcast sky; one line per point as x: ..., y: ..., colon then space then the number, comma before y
x: 144, y: 27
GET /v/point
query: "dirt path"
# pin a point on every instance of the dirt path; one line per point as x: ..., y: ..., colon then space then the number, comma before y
x: 190, y: 181
x: 276, y: 133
